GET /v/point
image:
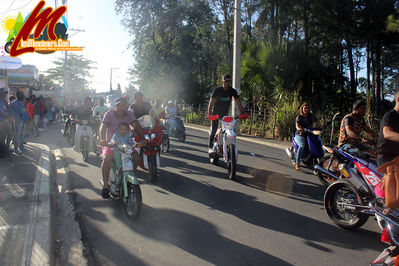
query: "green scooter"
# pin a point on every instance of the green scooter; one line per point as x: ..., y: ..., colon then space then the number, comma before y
x: 122, y: 182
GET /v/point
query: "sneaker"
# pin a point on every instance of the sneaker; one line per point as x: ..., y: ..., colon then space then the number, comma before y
x: 105, y: 193
x: 211, y: 150
x: 18, y: 151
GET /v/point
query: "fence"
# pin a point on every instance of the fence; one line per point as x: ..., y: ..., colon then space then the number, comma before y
x: 261, y: 124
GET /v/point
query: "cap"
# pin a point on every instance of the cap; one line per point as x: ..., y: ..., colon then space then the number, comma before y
x: 121, y: 100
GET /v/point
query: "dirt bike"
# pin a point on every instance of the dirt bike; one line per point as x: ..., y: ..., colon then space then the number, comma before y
x: 389, y: 223
x: 225, y: 144
x: 149, y: 154
x: 346, y: 201
x: 122, y: 182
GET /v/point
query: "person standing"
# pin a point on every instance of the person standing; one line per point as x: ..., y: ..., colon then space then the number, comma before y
x: 220, y: 105
x: 3, y: 123
x: 388, y: 139
x: 18, y: 112
x: 30, y: 108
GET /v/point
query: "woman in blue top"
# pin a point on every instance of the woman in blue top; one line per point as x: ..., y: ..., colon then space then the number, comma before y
x: 18, y: 111
x: 305, y: 119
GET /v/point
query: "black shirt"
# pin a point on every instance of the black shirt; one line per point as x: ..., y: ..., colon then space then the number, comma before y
x: 81, y: 113
x: 387, y: 150
x: 305, y: 122
x: 223, y: 100
x: 139, y: 111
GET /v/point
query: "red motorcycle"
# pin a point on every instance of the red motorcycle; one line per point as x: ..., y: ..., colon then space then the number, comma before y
x: 149, y: 155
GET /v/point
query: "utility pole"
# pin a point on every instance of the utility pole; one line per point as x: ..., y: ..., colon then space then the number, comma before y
x: 237, y: 52
x: 110, y: 78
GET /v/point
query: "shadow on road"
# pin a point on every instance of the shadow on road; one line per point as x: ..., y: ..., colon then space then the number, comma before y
x: 247, y: 208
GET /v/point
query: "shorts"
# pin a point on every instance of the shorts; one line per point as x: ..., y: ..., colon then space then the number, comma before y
x: 107, y: 151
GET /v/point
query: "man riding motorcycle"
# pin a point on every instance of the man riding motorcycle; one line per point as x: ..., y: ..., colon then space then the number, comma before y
x: 108, y: 128
x: 81, y: 113
x: 220, y: 105
x: 140, y: 107
x: 100, y: 109
x: 173, y: 121
x: 352, y: 126
x: 388, y: 140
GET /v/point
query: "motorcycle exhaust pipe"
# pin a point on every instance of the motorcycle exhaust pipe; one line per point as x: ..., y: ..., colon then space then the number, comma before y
x: 324, y: 171
x: 288, y: 151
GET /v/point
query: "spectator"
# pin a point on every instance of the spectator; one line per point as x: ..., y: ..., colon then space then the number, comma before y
x: 3, y: 123
x: 30, y: 108
x: 18, y: 111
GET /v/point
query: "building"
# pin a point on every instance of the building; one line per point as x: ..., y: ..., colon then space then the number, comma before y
x: 25, y: 79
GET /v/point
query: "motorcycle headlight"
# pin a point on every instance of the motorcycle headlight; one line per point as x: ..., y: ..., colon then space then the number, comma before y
x: 147, y: 137
x: 153, y: 136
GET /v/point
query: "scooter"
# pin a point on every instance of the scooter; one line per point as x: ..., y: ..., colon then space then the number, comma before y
x: 225, y: 144
x: 122, y: 181
x: 84, y: 145
x: 149, y: 154
x: 346, y: 201
x: 176, y: 128
x: 313, y: 149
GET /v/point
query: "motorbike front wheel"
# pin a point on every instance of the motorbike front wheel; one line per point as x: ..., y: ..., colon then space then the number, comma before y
x: 133, y: 202
x: 336, y: 197
x: 231, y: 161
x: 152, y: 168
x: 165, y: 143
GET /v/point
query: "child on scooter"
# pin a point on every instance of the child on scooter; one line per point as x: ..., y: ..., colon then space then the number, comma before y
x: 121, y: 136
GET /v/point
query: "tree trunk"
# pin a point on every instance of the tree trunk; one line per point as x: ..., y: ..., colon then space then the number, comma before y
x: 368, y: 85
x: 351, y: 71
x: 305, y: 22
x: 378, y: 76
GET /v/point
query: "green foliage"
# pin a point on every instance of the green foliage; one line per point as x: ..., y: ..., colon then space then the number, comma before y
x: 78, y: 70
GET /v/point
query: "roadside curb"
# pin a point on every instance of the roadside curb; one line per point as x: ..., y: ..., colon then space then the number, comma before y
x: 38, y: 248
x: 70, y: 245
x: 270, y: 143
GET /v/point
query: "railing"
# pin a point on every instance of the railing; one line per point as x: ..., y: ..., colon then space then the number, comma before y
x: 262, y: 125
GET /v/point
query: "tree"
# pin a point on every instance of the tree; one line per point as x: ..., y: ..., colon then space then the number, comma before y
x: 76, y: 69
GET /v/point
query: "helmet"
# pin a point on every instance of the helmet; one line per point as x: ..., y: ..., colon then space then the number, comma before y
x: 170, y: 102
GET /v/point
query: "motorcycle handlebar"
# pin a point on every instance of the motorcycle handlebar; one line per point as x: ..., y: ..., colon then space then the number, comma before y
x: 242, y: 116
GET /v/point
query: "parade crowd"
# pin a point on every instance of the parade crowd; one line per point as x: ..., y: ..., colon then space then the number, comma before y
x: 22, y: 117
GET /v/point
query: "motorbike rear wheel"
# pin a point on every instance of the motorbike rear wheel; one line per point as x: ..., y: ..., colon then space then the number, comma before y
x: 152, y: 168
x: 165, y: 143
x: 338, y: 194
x: 326, y: 163
x: 231, y: 161
x: 133, y: 202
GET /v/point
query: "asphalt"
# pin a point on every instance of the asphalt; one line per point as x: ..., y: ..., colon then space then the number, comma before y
x: 194, y: 215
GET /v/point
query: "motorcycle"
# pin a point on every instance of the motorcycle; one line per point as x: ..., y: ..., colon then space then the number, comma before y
x: 389, y: 222
x: 174, y: 130
x: 225, y: 144
x: 122, y: 181
x: 84, y: 145
x: 70, y: 129
x: 346, y: 201
x: 149, y: 154
x: 165, y: 145
x: 328, y: 167
x: 313, y: 152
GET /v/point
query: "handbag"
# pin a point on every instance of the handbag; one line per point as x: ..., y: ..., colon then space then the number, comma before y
x: 391, y: 182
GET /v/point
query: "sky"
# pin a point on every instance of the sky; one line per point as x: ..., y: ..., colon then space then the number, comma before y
x: 105, y: 39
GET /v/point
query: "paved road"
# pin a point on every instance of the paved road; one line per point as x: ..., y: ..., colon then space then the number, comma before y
x: 194, y: 215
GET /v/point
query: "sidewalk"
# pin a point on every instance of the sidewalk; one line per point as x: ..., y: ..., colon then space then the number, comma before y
x: 282, y: 145
x: 25, y: 224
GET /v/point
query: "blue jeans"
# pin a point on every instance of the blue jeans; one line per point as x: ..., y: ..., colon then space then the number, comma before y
x: 19, y: 139
x: 301, y: 141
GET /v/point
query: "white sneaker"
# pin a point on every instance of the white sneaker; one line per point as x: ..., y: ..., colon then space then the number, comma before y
x: 18, y: 151
x: 211, y: 150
